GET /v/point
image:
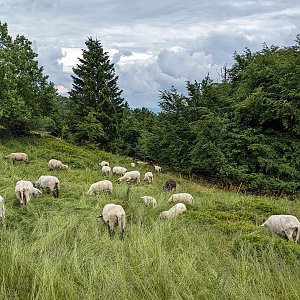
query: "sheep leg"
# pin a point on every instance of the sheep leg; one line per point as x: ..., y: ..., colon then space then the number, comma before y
x: 4, y: 223
x: 110, y: 231
x: 55, y: 193
x: 122, y: 234
x: 121, y: 223
x: 290, y: 234
x: 295, y: 234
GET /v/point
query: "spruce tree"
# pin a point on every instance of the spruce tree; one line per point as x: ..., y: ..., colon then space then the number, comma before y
x: 96, y: 105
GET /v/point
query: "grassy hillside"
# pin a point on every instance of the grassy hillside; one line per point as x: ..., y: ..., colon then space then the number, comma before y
x: 59, y: 249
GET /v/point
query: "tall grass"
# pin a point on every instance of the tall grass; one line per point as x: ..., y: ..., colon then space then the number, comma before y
x: 60, y: 249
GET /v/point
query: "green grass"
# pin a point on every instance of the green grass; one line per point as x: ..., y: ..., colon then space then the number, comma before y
x: 59, y: 249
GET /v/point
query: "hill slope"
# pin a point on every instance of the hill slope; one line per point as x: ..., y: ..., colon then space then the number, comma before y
x: 59, y: 249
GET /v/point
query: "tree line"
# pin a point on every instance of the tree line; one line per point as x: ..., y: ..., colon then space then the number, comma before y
x: 243, y: 129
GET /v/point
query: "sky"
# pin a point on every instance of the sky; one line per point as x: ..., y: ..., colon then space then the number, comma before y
x: 154, y: 45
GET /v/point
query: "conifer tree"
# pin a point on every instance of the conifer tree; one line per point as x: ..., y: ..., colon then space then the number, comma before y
x: 96, y: 105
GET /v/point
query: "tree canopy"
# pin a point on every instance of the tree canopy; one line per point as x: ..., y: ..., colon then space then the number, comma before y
x: 96, y: 105
x: 244, y: 129
x: 26, y: 96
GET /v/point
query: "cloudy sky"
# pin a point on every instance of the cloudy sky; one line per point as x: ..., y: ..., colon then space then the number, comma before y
x: 153, y: 44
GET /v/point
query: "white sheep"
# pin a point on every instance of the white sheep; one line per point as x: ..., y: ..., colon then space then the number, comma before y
x: 100, y: 187
x: 119, y: 170
x: 17, y: 156
x: 284, y: 225
x: 49, y: 183
x: 106, y: 170
x: 56, y: 164
x: 149, y: 201
x: 113, y: 214
x: 35, y: 192
x: 132, y: 164
x: 181, y: 197
x: 132, y: 175
x: 140, y: 162
x: 23, y: 190
x: 2, y: 209
x: 104, y: 163
x: 157, y: 168
x: 173, y: 211
x: 148, y: 177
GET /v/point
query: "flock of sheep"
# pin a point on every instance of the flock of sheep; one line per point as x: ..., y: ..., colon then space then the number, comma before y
x: 114, y: 215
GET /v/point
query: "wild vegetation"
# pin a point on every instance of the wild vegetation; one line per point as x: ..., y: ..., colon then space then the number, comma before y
x: 244, y: 129
x: 58, y: 248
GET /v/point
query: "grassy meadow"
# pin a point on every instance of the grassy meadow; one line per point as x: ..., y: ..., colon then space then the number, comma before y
x: 60, y: 249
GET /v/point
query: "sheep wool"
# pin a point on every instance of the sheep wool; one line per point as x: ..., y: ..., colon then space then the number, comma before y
x: 119, y: 170
x: 106, y: 170
x: 56, y: 164
x: 174, y: 211
x: 285, y: 225
x: 182, y: 197
x: 157, y: 168
x: 17, y: 156
x: 104, y: 163
x: 113, y: 214
x: 170, y: 185
x: 100, y: 187
x: 132, y: 175
x: 49, y: 182
x: 149, y: 201
x: 2, y: 209
x: 23, y: 190
x: 148, y: 177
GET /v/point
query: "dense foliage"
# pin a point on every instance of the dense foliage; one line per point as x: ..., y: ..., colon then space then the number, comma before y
x: 27, y: 99
x: 57, y: 248
x: 245, y: 129
x: 96, y: 105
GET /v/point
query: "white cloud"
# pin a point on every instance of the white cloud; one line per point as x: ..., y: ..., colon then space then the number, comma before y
x: 154, y: 44
x: 49, y: 57
x: 182, y: 64
x: 69, y: 58
x: 62, y: 89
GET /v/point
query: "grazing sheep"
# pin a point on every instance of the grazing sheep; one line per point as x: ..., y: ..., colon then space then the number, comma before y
x: 284, y: 225
x: 132, y: 164
x: 119, y: 170
x: 100, y: 187
x: 106, y: 170
x: 148, y: 177
x: 173, y: 211
x: 104, y: 163
x: 132, y: 175
x: 157, y: 169
x: 2, y: 209
x: 113, y: 214
x: 19, y: 156
x: 49, y: 183
x: 35, y: 192
x: 170, y: 185
x: 149, y: 201
x: 24, y: 190
x: 56, y: 164
x: 140, y: 162
x: 182, y: 197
